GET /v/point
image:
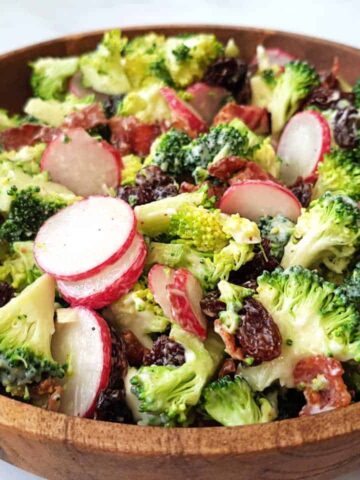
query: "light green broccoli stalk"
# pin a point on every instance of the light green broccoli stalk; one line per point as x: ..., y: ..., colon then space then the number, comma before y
x: 313, y: 317
x: 278, y: 231
x: 132, y: 166
x: 27, y: 158
x: 137, y: 311
x: 327, y: 233
x: 19, y: 268
x: 50, y: 75
x: 6, y: 121
x: 339, y: 173
x: 233, y: 296
x: 231, y: 402
x: 26, y: 328
x: 169, y: 392
x: 292, y: 86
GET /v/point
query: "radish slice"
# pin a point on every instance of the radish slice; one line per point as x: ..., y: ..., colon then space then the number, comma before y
x: 86, y: 344
x: 303, y: 143
x: 206, y: 100
x: 183, y: 111
x: 276, y: 56
x: 110, y: 283
x: 253, y: 199
x: 185, y: 294
x: 82, y: 163
x: 83, y: 238
x: 77, y: 88
x: 159, y: 278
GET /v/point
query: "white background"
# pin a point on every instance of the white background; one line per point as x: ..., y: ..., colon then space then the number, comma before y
x: 29, y: 21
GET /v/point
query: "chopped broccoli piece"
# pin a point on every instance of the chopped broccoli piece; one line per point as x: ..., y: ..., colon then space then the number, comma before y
x: 187, y: 58
x: 137, y: 311
x: 19, y: 268
x: 26, y: 327
x: 6, y: 121
x: 231, y: 49
x: 356, y: 91
x: 167, y: 151
x: 278, y: 231
x: 132, y: 166
x: 169, y: 392
x: 231, y: 402
x: 339, y: 173
x: 326, y: 233
x: 103, y: 69
x: 27, y: 158
x: 28, y: 211
x: 313, y: 317
x: 351, y: 286
x: 50, y: 75
x: 292, y: 86
x: 233, y: 296
x: 232, y: 257
x: 159, y: 70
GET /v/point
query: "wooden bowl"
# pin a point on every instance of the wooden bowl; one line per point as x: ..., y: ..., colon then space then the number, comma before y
x: 59, y: 447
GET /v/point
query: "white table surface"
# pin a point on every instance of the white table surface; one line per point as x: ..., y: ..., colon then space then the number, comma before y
x: 23, y: 22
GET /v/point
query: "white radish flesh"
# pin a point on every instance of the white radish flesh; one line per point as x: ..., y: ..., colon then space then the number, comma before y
x: 159, y: 278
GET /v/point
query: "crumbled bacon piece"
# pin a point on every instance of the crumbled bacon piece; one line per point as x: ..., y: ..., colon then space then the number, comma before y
x: 86, y: 118
x: 131, y: 136
x: 135, y: 350
x: 227, y: 368
x: 225, y: 167
x: 47, y: 394
x: 231, y: 346
x: 26, y: 135
x: 256, y: 118
x: 321, y: 379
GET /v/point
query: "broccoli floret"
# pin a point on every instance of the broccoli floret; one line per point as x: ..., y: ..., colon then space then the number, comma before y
x: 356, y: 91
x: 339, y: 173
x: 326, y: 233
x: 233, y: 296
x: 6, y: 121
x: 132, y: 166
x: 49, y: 76
x: 154, y: 218
x: 26, y: 158
x: 278, y: 231
x: 292, y: 86
x: 351, y: 286
x: 169, y: 392
x: 231, y: 402
x: 313, y: 317
x: 167, y: 151
x: 137, y: 311
x: 19, y: 268
x: 187, y: 58
x: 231, y: 49
x: 103, y: 69
x: 26, y: 327
x: 261, y: 90
x: 28, y: 211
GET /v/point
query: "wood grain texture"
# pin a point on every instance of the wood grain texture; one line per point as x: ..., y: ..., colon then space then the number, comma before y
x: 63, y: 448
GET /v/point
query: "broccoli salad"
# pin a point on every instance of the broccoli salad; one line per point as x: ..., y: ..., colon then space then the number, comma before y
x: 180, y: 235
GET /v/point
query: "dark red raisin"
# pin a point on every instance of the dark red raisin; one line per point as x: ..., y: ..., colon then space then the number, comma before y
x: 135, y: 351
x: 229, y: 73
x: 302, y: 191
x: 227, y: 368
x: 165, y: 352
x: 258, y: 335
x: 345, y: 127
x: 6, y: 293
x: 211, y: 306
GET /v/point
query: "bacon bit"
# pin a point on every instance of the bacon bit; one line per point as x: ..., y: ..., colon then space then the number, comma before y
x: 226, y: 166
x: 227, y: 368
x: 331, y: 391
x: 86, y: 118
x: 26, y: 136
x: 252, y: 171
x: 131, y: 136
x: 135, y: 350
x: 47, y: 394
x: 256, y: 118
x: 230, y: 342
x: 187, y: 187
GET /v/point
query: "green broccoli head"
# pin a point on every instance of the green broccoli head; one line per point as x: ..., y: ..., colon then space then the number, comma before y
x: 356, y: 91
x: 26, y: 158
x: 28, y: 211
x: 278, y: 231
x: 314, y: 318
x: 137, y: 311
x: 50, y: 75
x: 339, y: 173
x: 231, y: 402
x: 326, y: 233
x: 351, y: 286
x: 26, y: 327
x: 233, y: 296
x: 292, y: 86
x: 169, y: 392
x: 19, y: 268
x: 103, y: 69
x: 167, y: 152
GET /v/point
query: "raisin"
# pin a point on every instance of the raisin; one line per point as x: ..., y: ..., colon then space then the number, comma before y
x: 165, y: 352
x: 135, y: 351
x: 302, y: 191
x: 345, y: 127
x: 229, y: 73
x: 211, y: 306
x: 6, y: 293
x: 227, y: 368
x: 321, y: 380
x: 258, y: 335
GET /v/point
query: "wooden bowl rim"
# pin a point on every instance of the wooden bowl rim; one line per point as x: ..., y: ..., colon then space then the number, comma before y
x: 134, y: 440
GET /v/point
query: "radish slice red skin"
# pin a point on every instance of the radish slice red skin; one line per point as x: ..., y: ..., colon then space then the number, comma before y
x: 109, y: 293
x: 62, y: 158
x: 186, y: 311
x: 184, y: 111
x: 292, y: 134
x: 159, y: 277
x: 90, y: 269
x: 237, y: 199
